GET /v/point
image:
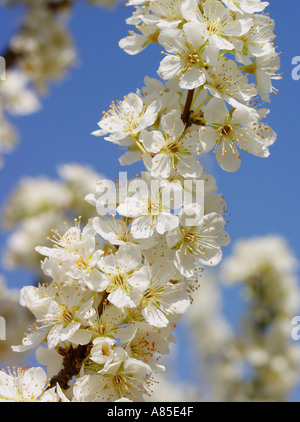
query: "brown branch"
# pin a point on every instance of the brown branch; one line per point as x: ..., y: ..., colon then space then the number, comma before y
x: 10, y: 58
x: 72, y: 362
x: 102, y: 303
x: 187, y: 108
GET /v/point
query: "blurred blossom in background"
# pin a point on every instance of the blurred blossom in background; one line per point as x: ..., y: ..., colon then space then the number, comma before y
x: 38, y: 205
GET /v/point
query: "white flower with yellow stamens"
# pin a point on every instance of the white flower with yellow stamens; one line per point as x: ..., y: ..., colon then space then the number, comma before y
x: 258, y: 41
x: 60, y: 311
x: 123, y: 378
x: 162, y: 297
x: 76, y: 245
x: 25, y: 386
x: 146, y: 343
x: 189, y: 56
x: 231, y: 132
x: 150, y: 210
x: 227, y: 83
x: 222, y: 24
x: 172, y: 148
x: 123, y: 276
x: 135, y: 43
x: 164, y: 13
x: 126, y: 118
x: 265, y: 69
x: 198, y: 240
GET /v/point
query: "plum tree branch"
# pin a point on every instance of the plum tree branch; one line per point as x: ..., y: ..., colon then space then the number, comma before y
x: 187, y: 108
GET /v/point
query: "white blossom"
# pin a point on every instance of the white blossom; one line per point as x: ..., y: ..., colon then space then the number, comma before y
x: 25, y: 386
x: 127, y: 117
x: 198, y: 240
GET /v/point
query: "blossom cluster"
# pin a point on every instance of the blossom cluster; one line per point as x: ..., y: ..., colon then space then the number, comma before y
x: 223, y: 53
x: 120, y: 283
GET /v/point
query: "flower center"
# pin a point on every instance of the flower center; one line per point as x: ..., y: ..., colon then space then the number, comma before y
x: 214, y: 26
x: 153, y: 208
x: 226, y: 130
x: 193, y: 57
x: 65, y: 314
x: 119, y: 280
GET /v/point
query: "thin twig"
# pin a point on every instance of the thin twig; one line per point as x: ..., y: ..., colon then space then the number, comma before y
x: 187, y: 108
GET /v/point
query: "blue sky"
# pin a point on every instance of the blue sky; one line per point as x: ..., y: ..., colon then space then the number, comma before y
x: 262, y: 197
